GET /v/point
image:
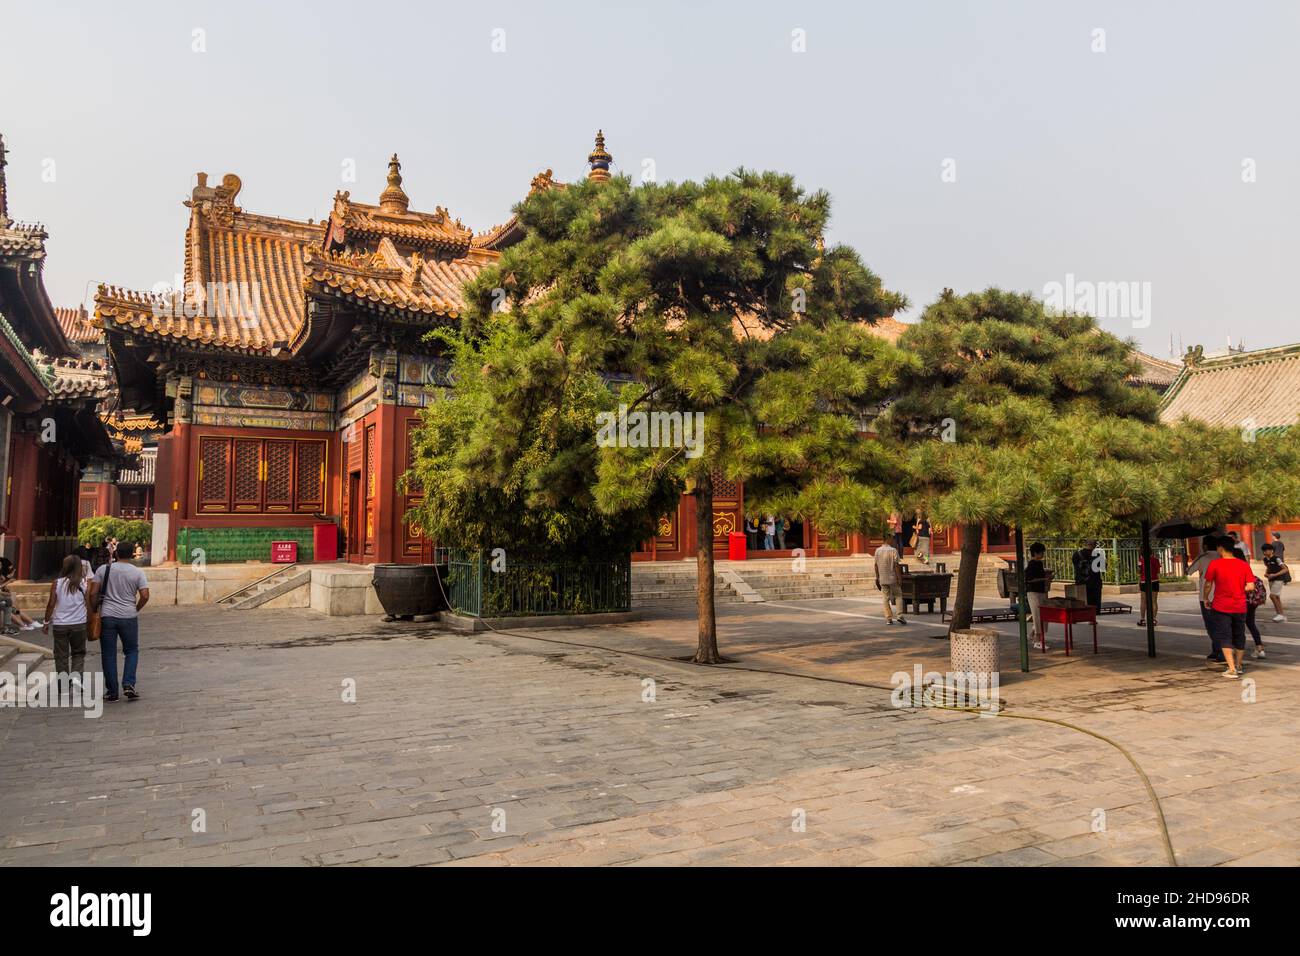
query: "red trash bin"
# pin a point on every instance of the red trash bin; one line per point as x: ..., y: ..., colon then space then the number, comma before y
x: 736, y: 549
x: 325, y: 542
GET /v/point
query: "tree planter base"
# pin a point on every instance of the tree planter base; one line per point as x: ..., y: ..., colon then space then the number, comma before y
x: 974, y: 650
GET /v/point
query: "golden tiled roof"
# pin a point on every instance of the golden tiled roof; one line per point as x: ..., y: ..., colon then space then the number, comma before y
x: 76, y: 324
x: 1259, y: 389
x: 248, y: 277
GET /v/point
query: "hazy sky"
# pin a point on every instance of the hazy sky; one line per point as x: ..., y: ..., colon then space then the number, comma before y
x: 963, y: 144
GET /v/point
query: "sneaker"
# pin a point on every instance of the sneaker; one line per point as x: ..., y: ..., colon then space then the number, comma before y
x: 902, y: 620
x: 1231, y: 675
x: 890, y: 620
x: 131, y: 693
x: 31, y: 626
x: 1279, y: 618
x: 1259, y: 651
x: 110, y: 698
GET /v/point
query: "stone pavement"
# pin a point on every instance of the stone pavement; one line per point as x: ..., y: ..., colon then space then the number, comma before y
x: 548, y: 747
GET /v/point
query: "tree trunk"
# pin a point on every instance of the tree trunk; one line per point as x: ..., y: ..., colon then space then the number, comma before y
x: 707, y: 650
x: 964, y: 603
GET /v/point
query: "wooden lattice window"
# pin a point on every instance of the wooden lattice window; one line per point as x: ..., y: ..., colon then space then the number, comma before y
x: 278, y: 471
x: 724, y: 489
x: 261, y: 475
x: 214, y: 474
x: 247, y: 472
x: 310, y: 468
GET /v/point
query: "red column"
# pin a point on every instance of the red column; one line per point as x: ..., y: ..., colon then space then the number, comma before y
x: 387, y: 526
x: 22, y: 499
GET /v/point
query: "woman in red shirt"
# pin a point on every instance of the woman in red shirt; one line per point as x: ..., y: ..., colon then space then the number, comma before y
x: 1232, y: 579
x: 1150, y: 566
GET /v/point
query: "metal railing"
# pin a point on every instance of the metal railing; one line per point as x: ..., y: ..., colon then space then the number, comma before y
x: 1123, y: 556
x: 480, y: 585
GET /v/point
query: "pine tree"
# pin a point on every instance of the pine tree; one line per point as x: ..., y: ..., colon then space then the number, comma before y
x: 713, y: 298
x: 1002, y: 389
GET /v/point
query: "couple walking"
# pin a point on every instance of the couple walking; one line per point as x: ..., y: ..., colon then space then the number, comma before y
x: 117, y: 591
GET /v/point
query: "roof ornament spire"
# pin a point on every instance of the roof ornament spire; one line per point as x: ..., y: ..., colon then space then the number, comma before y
x: 393, y: 199
x: 599, y: 159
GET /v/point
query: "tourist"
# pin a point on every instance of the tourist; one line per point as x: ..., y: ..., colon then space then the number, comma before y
x: 780, y: 534
x: 83, y: 552
x: 1239, y: 546
x: 7, y: 574
x: 921, y: 538
x: 1232, y: 581
x: 66, y: 613
x: 769, y: 533
x: 119, y: 589
x: 1038, y: 581
x: 751, y: 533
x: 1150, y: 566
x: 896, y: 530
x: 888, y: 573
x: 1199, y: 567
x: 1253, y: 601
x: 1089, y: 564
x: 1279, y: 576
x: 1279, y: 548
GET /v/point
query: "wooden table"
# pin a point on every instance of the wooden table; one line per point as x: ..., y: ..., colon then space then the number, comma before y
x: 1068, y: 616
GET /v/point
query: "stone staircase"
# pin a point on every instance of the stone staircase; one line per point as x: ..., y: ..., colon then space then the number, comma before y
x: 672, y: 584
x: 280, y: 581
x: 30, y: 597
x: 14, y: 654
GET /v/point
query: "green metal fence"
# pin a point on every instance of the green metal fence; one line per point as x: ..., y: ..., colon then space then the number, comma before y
x: 481, y: 585
x: 1123, y: 556
x: 223, y: 545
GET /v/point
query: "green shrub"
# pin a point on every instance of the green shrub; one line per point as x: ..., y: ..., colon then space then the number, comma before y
x: 93, y: 532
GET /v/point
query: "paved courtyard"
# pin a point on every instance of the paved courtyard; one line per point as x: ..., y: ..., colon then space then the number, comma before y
x: 554, y: 747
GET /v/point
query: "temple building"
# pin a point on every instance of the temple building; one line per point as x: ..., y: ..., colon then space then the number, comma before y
x: 50, y: 398
x: 1256, y: 392
x: 288, y: 373
x: 282, y: 384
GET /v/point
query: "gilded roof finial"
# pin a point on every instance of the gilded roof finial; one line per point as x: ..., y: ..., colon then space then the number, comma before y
x: 599, y: 159
x: 393, y: 198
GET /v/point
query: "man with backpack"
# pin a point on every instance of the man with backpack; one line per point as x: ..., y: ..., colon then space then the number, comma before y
x: 1279, y: 576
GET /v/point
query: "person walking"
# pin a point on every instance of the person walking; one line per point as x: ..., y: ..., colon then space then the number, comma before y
x: 769, y: 533
x: 780, y: 534
x: 1198, y: 567
x: 65, y: 612
x: 1232, y: 581
x: 1278, y: 576
x: 888, y: 573
x: 1089, y: 564
x: 1038, y: 581
x: 1151, y: 566
x: 1239, y: 546
x: 896, y: 530
x: 119, y: 589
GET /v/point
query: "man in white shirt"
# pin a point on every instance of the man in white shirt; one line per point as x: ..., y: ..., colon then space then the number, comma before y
x: 888, y: 573
x: 125, y: 590
x: 1199, y: 567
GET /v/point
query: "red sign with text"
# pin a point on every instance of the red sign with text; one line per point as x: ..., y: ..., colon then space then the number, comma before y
x: 284, y: 552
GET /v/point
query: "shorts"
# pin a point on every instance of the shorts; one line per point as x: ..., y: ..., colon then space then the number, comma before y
x: 1155, y: 588
x: 1228, y: 629
x: 1275, y: 587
